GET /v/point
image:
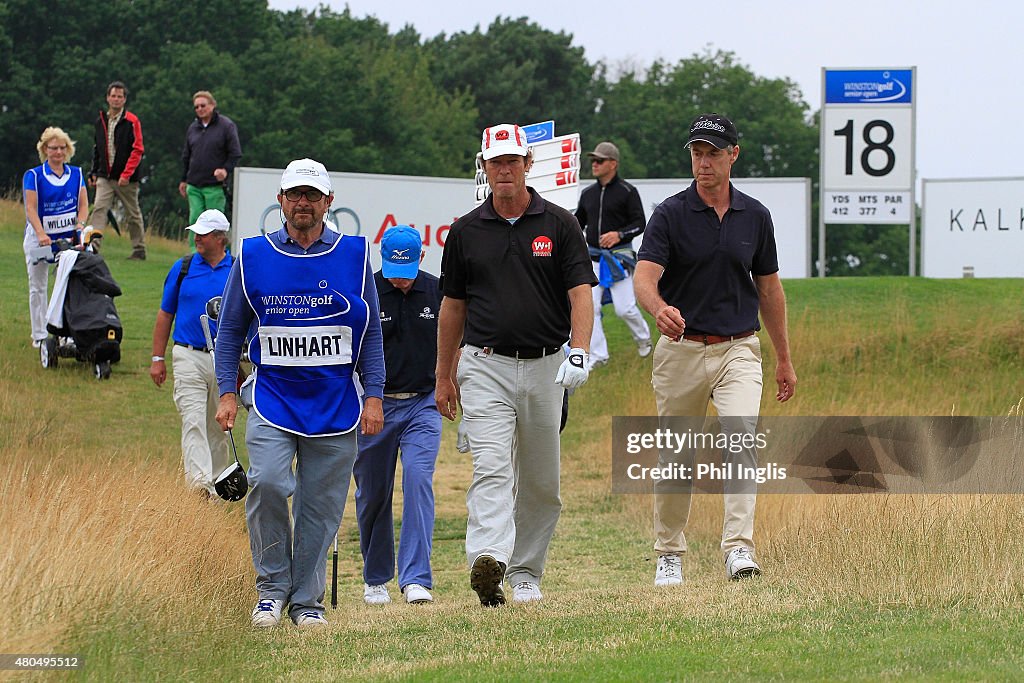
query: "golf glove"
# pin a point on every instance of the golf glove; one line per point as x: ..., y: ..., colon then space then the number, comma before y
x: 573, y: 371
x: 462, y: 438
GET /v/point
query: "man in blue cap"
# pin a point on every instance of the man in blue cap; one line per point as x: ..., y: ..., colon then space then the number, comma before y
x: 409, y: 304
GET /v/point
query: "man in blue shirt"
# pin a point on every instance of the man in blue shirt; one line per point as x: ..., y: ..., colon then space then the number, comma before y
x: 409, y: 304
x: 204, y: 446
x: 304, y: 296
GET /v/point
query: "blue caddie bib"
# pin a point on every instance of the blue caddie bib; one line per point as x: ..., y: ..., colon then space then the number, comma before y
x: 312, y: 318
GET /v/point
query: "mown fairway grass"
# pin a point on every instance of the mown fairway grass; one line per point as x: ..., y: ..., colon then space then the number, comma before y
x: 107, y: 555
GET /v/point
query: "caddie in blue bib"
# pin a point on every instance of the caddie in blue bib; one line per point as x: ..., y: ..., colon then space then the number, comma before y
x: 311, y: 325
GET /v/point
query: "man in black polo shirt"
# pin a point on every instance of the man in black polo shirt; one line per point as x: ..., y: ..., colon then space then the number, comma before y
x: 612, y: 214
x: 409, y: 304
x: 707, y: 265
x: 516, y: 279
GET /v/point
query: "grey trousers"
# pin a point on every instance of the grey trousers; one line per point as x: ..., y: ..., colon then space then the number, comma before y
x: 292, y: 566
x: 511, y: 412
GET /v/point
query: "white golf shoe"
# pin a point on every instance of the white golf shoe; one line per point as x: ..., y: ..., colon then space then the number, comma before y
x: 310, y: 619
x: 376, y: 595
x: 669, y: 571
x: 643, y: 347
x: 526, y: 591
x: 740, y: 565
x: 267, y: 613
x: 416, y: 594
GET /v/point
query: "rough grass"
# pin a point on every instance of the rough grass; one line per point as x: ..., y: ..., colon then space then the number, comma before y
x: 107, y: 555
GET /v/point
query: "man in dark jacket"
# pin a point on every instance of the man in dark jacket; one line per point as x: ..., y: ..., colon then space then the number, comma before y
x: 211, y: 152
x: 116, y: 167
x: 611, y: 214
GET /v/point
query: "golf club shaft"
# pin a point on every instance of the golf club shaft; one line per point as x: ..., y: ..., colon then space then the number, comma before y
x: 204, y: 320
x: 234, y: 452
x: 334, y: 575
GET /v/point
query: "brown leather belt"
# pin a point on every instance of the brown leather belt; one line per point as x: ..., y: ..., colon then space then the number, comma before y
x: 707, y: 339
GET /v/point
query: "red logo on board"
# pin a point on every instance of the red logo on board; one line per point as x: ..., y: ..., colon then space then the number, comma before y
x: 542, y: 246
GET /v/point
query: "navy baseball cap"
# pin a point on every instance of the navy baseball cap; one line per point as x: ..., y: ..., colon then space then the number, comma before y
x: 713, y: 129
x: 400, y: 252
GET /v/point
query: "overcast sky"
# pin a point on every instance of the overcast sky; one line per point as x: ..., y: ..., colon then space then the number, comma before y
x: 969, y: 55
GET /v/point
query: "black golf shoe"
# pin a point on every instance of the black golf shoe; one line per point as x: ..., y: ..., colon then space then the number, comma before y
x: 485, y: 578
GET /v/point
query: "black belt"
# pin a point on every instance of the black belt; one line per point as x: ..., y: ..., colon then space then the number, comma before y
x: 193, y: 348
x: 523, y: 352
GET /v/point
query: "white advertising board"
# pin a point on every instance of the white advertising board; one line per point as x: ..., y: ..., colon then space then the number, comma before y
x: 975, y: 225
x: 367, y: 204
x: 364, y: 204
x: 788, y: 199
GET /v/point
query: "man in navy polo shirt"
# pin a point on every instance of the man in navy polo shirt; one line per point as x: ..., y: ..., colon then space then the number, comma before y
x: 204, y: 446
x: 409, y: 304
x: 708, y: 264
x: 516, y: 279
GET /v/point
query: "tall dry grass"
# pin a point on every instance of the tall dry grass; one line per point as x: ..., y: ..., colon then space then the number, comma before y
x: 83, y: 538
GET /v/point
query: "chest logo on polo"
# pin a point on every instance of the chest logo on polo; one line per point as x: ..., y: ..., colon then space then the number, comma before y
x: 296, y: 346
x: 426, y: 313
x: 542, y: 246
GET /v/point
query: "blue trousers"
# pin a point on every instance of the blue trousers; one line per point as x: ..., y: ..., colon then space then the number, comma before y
x: 292, y: 566
x: 412, y: 427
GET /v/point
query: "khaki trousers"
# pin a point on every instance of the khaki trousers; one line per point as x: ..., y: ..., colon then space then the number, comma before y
x: 204, y: 445
x: 687, y: 375
x: 106, y: 190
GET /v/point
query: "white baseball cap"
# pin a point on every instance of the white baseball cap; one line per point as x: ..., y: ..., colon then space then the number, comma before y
x: 306, y: 172
x: 209, y: 221
x: 504, y: 138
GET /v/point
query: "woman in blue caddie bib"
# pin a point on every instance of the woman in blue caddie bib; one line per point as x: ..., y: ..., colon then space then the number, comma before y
x: 56, y: 206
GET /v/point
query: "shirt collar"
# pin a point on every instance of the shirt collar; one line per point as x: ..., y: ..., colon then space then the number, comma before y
x: 327, y: 236
x: 536, y: 206
x: 694, y: 201
x: 417, y: 285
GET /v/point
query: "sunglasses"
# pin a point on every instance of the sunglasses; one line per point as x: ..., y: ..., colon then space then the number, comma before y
x: 598, y: 162
x: 294, y: 195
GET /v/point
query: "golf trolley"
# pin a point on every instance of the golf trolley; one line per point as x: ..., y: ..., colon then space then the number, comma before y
x: 82, y: 320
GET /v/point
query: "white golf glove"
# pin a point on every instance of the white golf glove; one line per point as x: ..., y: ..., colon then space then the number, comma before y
x: 462, y: 437
x: 573, y: 371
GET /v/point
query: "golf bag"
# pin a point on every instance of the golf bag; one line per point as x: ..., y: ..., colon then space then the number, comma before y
x: 82, y: 320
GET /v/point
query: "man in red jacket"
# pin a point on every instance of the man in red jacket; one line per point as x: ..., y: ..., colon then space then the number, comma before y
x: 116, y: 159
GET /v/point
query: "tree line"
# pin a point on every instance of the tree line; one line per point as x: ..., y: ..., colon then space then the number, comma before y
x: 349, y: 92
